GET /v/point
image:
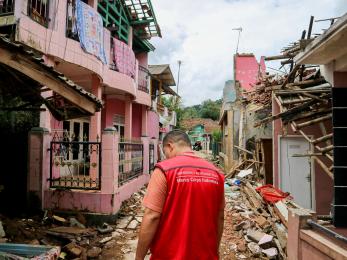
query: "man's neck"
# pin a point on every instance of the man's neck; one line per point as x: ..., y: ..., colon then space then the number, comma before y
x: 184, y: 150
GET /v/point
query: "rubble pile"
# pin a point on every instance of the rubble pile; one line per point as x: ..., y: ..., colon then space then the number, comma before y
x: 254, y: 229
x: 74, y: 237
x: 261, y: 93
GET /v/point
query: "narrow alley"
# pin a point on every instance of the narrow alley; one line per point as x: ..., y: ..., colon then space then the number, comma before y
x: 218, y: 127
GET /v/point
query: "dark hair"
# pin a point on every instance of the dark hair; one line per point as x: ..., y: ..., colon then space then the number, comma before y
x: 177, y: 136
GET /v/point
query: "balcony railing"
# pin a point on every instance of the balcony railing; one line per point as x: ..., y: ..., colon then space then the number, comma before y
x: 38, y: 10
x: 143, y: 79
x: 130, y: 161
x: 6, y: 7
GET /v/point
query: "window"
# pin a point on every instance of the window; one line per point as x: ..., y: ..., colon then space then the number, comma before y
x: 77, y: 131
x: 118, y: 123
x: 6, y: 7
x: 38, y: 11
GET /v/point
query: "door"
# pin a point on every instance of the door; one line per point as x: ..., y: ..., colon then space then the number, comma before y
x: 295, y: 172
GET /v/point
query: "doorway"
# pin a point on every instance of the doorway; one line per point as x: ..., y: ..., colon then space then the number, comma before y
x: 295, y: 171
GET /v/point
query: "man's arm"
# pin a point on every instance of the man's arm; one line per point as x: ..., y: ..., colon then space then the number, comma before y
x: 148, y: 229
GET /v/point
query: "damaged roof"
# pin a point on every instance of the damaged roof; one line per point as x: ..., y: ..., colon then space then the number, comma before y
x: 24, y: 74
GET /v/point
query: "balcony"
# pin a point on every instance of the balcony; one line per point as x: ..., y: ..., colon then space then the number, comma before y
x: 6, y: 7
x: 143, y: 77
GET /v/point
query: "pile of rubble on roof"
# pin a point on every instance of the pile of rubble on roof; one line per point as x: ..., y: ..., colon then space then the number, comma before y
x: 261, y: 93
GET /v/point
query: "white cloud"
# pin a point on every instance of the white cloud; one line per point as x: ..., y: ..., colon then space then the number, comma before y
x: 200, y: 34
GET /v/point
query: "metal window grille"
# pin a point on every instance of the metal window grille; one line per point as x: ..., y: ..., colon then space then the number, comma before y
x: 130, y: 162
x: 143, y: 79
x: 75, y: 164
x: 6, y: 7
x: 151, y: 157
x: 39, y: 11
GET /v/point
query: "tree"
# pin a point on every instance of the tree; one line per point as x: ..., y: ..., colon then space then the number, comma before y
x: 210, y: 109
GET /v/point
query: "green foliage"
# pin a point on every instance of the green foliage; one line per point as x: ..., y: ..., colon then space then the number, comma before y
x: 217, y: 136
x: 208, y: 109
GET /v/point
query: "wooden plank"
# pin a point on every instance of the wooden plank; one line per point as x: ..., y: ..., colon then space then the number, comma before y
x: 286, y: 113
x: 34, y: 71
x: 324, y: 167
x: 322, y: 139
x: 282, y: 211
x: 323, y: 244
x: 243, y: 150
x: 313, y: 121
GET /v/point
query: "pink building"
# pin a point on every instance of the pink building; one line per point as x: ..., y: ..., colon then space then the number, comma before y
x: 247, y: 69
x: 93, y: 161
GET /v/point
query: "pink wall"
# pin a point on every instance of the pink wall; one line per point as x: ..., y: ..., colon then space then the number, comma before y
x: 246, y: 69
x: 153, y: 124
x: 323, y: 183
x: 137, y: 120
x: 143, y: 59
x: 53, y: 42
x: 112, y: 107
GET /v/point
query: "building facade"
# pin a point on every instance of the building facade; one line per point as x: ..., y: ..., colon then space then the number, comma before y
x: 102, y: 47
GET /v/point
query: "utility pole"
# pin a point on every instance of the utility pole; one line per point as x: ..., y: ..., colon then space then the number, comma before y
x: 238, y: 38
x: 178, y: 76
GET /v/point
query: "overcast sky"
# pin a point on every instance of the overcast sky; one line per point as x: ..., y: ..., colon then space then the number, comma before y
x: 199, y: 32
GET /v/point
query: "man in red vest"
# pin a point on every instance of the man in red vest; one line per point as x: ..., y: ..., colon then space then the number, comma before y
x: 184, y: 205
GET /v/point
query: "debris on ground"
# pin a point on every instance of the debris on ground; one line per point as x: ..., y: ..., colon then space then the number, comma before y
x: 73, y: 237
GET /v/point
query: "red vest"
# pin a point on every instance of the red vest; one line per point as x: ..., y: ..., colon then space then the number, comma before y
x: 188, y: 228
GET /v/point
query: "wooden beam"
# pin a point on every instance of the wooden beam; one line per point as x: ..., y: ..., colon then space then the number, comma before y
x: 322, y: 139
x: 286, y: 113
x: 311, y: 122
x: 243, y: 150
x: 35, y: 71
x: 324, y: 167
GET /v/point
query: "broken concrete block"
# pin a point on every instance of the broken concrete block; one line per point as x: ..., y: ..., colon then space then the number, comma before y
x: 94, y: 252
x: 233, y: 247
x: 75, y: 223
x: 123, y: 222
x: 115, y: 234
x: 240, y: 225
x: 241, y: 246
x: 262, y: 222
x: 73, y: 249
x: 105, y: 239
x: 271, y: 253
x: 254, y: 248
x: 110, y: 244
x: 133, y: 224
x: 255, y: 235
x: 265, y: 239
